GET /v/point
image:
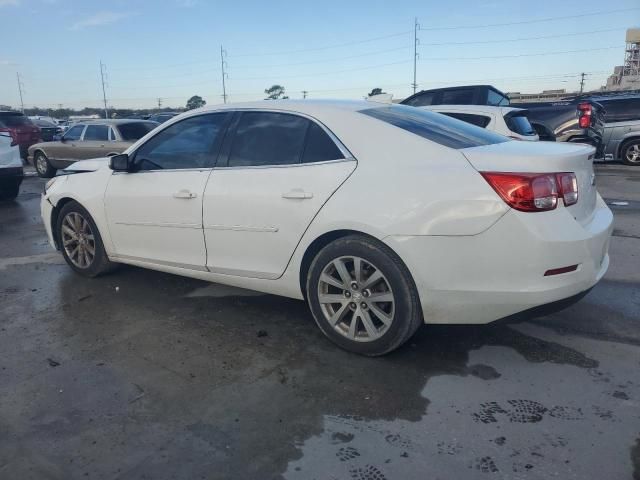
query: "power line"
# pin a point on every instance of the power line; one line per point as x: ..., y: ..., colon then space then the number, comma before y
x: 526, y: 22
x: 525, y: 54
x: 542, y: 37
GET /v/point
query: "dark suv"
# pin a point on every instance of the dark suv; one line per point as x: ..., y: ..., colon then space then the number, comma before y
x: 21, y: 129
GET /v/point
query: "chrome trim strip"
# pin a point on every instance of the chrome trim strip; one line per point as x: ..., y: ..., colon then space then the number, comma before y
x: 154, y: 224
x: 241, y: 228
x: 292, y: 165
x: 243, y: 273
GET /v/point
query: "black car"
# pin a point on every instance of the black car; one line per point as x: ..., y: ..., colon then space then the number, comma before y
x: 48, y: 130
x: 571, y: 120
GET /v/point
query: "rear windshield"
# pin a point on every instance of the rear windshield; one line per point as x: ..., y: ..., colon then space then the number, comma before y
x: 435, y: 127
x: 14, y: 120
x: 135, y: 130
x: 519, y: 124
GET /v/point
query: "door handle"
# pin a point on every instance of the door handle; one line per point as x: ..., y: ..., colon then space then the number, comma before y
x: 297, y: 194
x: 186, y: 194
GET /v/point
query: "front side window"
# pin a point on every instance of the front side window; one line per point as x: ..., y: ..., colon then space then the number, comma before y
x: 186, y: 144
x: 265, y: 138
x: 457, y: 97
x: 74, y: 133
x: 435, y: 127
x: 421, y: 100
x: 97, y: 133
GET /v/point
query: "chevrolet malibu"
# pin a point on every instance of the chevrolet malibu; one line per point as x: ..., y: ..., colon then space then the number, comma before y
x: 382, y: 217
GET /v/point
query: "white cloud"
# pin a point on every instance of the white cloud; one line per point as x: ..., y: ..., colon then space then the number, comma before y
x: 7, y: 3
x: 99, y: 19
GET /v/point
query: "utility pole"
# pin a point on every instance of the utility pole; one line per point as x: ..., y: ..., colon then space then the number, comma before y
x: 223, y: 63
x: 582, y: 75
x: 304, y: 94
x: 159, y: 103
x: 103, y: 73
x: 416, y: 42
x: 20, y: 85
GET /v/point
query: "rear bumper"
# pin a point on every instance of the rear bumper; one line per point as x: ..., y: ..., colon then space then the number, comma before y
x: 500, y: 272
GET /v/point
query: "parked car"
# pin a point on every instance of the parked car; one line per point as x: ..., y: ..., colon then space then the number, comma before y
x: 163, y: 116
x: 11, y: 172
x: 508, y: 121
x: 48, y: 130
x: 23, y: 131
x: 572, y: 120
x: 383, y: 217
x: 96, y: 138
x: 622, y: 128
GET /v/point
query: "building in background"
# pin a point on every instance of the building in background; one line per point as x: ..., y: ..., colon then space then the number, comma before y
x: 545, y: 96
x: 627, y: 76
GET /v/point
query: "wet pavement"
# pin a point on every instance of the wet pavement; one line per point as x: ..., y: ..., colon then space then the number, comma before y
x: 141, y: 374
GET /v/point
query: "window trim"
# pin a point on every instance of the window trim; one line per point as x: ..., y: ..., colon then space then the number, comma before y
x: 216, y: 148
x: 225, y: 151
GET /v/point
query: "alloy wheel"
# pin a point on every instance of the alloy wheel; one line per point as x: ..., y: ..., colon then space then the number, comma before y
x: 633, y: 153
x: 356, y: 299
x: 78, y: 240
x: 41, y: 164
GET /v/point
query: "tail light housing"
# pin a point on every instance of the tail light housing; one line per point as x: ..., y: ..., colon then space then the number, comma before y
x: 13, y: 133
x: 534, y: 192
x: 585, y: 114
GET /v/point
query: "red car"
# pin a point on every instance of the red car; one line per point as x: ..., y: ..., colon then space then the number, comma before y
x: 21, y: 129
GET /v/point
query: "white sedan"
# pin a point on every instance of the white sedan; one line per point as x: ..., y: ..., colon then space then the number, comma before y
x: 382, y: 217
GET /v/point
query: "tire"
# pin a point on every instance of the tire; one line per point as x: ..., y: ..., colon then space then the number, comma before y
x: 42, y: 165
x: 75, y: 218
x: 390, y: 323
x: 9, y: 191
x: 630, y: 152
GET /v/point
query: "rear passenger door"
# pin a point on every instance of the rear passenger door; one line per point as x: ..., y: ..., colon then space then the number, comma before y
x: 96, y: 139
x: 275, y: 172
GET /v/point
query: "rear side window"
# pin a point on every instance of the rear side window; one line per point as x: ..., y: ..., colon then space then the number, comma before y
x: 621, y: 110
x: 421, y: 100
x: 519, y: 124
x: 457, y: 97
x: 130, y: 132
x: 477, y: 120
x: 265, y: 138
x: 494, y: 98
x: 435, y: 127
x: 14, y: 120
x: 97, y: 133
x: 319, y: 147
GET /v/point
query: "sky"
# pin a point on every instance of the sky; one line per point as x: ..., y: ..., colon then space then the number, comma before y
x: 170, y: 49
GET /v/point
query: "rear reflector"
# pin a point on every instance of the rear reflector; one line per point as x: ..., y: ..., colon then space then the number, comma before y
x: 558, y: 271
x: 534, y: 192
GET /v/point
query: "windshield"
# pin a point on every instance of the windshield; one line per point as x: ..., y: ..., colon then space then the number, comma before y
x: 438, y: 128
x: 135, y: 130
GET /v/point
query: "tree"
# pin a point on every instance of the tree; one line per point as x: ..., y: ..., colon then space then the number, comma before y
x: 275, y: 92
x: 195, y: 102
x: 376, y: 91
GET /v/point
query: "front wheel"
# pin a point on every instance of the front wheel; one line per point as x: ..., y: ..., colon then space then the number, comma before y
x: 43, y: 167
x: 362, y: 296
x: 631, y: 153
x: 80, y: 241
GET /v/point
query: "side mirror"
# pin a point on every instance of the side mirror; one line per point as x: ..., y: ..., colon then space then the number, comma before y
x: 120, y: 163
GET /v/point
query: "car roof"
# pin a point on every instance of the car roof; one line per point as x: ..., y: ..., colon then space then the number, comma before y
x: 474, y: 108
x: 309, y: 107
x: 113, y: 121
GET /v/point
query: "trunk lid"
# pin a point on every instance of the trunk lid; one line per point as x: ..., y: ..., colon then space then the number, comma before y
x: 543, y: 157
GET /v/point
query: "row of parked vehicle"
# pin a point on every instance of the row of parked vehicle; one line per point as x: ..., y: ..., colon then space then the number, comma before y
x: 611, y: 123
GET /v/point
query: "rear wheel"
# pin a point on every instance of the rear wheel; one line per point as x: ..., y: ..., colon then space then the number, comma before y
x: 362, y: 296
x: 80, y: 241
x: 630, y: 152
x: 43, y: 167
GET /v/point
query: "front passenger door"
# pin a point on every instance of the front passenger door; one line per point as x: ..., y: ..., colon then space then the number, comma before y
x: 155, y: 211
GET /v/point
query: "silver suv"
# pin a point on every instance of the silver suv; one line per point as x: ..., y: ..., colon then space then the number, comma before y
x: 622, y: 128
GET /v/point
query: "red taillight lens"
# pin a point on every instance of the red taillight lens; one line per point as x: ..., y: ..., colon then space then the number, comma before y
x: 568, y: 185
x: 527, y: 192
x: 585, y: 112
x: 13, y: 133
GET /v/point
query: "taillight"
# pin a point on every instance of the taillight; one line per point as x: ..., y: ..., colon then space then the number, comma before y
x: 534, y: 192
x: 13, y: 133
x: 568, y: 185
x: 585, y: 112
